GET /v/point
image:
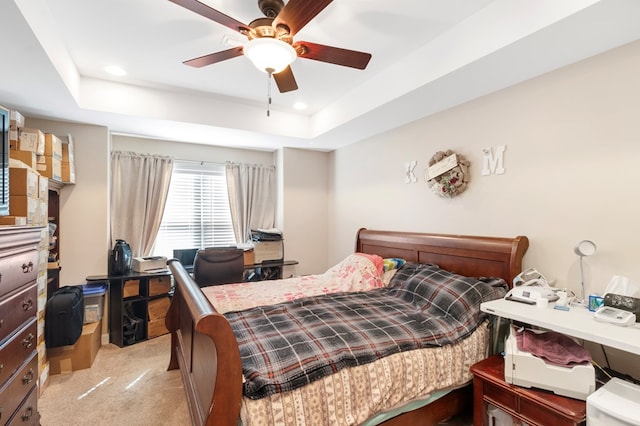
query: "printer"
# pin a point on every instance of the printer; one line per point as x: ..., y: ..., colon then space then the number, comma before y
x: 149, y: 264
x: 525, y: 369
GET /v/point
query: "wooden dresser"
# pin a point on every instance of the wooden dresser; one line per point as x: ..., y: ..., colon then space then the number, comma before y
x: 18, y: 325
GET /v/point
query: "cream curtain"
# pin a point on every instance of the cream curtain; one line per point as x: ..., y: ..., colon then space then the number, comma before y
x: 139, y: 187
x: 251, y: 198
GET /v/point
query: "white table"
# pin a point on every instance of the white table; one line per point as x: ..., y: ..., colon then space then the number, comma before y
x: 577, y: 322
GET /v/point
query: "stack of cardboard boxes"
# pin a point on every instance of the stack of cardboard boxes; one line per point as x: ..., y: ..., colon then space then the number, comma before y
x: 28, y: 190
x: 35, y: 159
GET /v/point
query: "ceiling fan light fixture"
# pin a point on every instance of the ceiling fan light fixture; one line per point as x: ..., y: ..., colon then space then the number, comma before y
x: 269, y: 54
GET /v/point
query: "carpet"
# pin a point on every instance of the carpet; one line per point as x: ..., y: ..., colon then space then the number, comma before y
x: 129, y: 385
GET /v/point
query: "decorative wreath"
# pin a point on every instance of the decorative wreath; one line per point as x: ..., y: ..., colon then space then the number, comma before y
x: 453, y: 181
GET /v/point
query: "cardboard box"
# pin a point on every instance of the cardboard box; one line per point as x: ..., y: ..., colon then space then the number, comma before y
x: 27, y: 157
x: 21, y: 205
x: 16, y: 120
x: 23, y: 182
x: 43, y: 187
x: 156, y: 328
x: 52, y: 146
x: 131, y: 288
x: 68, y: 172
x: 14, y: 139
x: 13, y: 220
x: 50, y: 167
x: 78, y: 356
x: 43, y: 379
x: 67, y: 148
x: 158, y: 308
x: 31, y: 140
x: 42, y: 213
x: 268, y: 250
x: 159, y: 285
x: 249, y: 258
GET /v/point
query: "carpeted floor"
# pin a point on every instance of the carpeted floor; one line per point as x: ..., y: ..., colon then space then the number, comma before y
x: 125, y: 386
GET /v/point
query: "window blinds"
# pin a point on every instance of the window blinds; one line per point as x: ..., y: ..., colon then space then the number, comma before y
x: 197, y: 213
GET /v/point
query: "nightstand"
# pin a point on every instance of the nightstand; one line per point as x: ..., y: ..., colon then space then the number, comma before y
x: 534, y: 407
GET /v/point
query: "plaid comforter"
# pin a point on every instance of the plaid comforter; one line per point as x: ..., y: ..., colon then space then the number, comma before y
x: 288, y: 345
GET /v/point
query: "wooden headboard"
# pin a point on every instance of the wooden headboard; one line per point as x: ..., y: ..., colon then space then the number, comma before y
x: 462, y: 254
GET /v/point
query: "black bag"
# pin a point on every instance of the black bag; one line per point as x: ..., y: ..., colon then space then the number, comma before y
x: 132, y: 326
x: 64, y: 317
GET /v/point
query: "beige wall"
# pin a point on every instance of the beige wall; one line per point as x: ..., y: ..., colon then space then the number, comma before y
x: 573, y: 146
x: 304, y: 208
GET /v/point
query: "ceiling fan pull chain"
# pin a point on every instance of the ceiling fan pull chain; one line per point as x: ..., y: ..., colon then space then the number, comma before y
x: 269, y: 73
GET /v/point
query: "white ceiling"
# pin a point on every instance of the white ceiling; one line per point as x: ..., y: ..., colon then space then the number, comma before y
x: 428, y: 55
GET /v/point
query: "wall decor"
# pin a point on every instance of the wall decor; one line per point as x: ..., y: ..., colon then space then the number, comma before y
x: 409, y: 174
x: 447, y: 174
x: 493, y: 165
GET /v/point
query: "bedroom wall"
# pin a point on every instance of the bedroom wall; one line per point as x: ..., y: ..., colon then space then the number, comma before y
x: 573, y: 145
x: 304, y: 209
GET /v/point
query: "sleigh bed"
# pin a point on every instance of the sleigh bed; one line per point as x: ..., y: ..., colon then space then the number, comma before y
x: 205, y: 348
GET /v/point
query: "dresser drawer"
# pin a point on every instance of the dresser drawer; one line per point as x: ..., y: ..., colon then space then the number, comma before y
x: 17, y: 309
x: 498, y: 395
x: 27, y: 414
x: 17, y: 270
x: 18, y: 387
x: 536, y: 414
x: 17, y: 348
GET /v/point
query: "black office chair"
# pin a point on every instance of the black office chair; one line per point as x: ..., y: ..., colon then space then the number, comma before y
x: 218, y: 265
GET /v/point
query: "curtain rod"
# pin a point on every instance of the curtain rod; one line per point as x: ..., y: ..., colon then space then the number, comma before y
x: 200, y: 162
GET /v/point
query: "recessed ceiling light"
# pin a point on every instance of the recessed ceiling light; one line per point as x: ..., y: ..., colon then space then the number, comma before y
x: 115, y: 70
x: 300, y: 106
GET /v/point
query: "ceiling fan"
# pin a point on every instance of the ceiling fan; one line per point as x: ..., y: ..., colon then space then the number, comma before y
x: 276, y: 30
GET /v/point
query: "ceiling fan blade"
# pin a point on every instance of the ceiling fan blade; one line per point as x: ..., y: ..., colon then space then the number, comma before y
x: 333, y: 55
x: 209, y: 12
x: 297, y: 13
x: 285, y: 80
x: 214, y: 57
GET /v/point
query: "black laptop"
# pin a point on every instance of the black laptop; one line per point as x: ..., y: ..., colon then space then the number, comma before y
x: 186, y: 257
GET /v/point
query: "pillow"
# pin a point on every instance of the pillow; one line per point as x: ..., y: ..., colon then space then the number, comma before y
x: 386, y: 277
x: 392, y: 263
x: 375, y: 259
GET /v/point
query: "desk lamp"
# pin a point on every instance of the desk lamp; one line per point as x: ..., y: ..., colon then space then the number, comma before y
x: 582, y: 249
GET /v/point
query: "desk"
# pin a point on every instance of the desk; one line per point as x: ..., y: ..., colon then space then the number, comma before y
x: 267, y: 270
x: 577, y: 322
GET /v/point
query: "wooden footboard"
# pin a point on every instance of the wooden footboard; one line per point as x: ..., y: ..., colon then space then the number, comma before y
x: 204, y: 347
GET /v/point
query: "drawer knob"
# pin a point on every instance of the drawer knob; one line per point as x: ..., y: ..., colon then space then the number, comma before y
x: 27, y: 305
x: 28, y: 378
x: 1, y: 321
x: 27, y: 414
x: 27, y: 342
x: 27, y: 267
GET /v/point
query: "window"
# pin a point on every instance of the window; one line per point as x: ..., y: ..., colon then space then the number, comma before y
x: 197, y: 212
